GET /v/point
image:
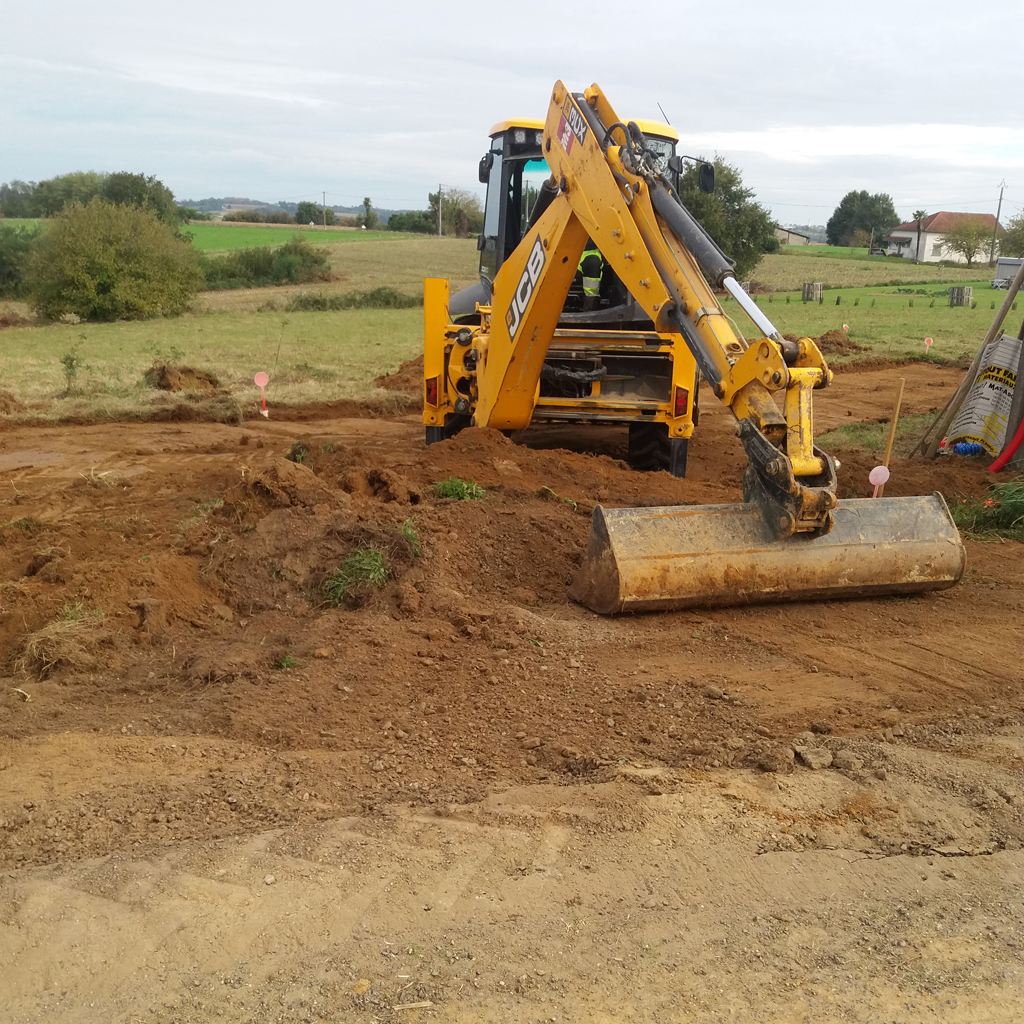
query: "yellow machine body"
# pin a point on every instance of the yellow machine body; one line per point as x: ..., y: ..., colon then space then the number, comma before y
x: 609, y: 183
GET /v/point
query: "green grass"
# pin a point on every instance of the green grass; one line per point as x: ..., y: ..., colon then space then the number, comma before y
x: 891, y: 327
x: 999, y: 514
x: 366, y: 566
x: 310, y: 357
x: 412, y: 537
x: 872, y: 436
x: 214, y: 237
x: 838, y: 268
x: 463, y: 490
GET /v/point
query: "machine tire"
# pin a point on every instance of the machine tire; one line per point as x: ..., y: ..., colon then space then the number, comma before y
x: 651, y: 449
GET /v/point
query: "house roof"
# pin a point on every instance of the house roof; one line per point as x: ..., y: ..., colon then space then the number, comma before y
x: 944, y: 221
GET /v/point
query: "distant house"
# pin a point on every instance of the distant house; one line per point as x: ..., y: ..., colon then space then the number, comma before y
x: 927, y: 248
x: 787, y: 237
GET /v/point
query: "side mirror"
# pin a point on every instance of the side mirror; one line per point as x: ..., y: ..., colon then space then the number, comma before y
x: 675, y: 164
x: 706, y: 178
x: 485, y: 167
x: 481, y: 242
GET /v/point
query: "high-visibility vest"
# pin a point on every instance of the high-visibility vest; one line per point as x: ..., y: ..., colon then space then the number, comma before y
x: 591, y: 285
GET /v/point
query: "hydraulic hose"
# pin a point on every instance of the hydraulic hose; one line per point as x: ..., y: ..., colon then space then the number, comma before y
x: 1009, y: 451
x: 713, y: 262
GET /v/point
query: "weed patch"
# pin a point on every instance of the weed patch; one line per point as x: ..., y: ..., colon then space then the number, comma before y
x: 378, y: 298
x: 366, y: 566
x: 463, y: 490
x: 999, y: 514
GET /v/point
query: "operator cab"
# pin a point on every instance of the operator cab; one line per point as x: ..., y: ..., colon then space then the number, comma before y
x: 514, y: 170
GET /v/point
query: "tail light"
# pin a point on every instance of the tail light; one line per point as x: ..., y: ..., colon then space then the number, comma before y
x: 682, y: 402
x: 432, y: 390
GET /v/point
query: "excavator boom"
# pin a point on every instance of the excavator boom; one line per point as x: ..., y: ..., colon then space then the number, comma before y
x: 780, y: 544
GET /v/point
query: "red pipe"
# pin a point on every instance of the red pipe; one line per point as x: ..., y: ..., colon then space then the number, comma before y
x: 1009, y: 451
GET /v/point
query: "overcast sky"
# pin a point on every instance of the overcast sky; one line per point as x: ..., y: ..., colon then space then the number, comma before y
x: 388, y: 99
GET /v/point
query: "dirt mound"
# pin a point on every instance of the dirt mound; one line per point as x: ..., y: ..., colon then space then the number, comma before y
x: 408, y: 378
x: 181, y: 378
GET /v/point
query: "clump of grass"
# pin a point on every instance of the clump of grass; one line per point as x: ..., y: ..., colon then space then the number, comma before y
x: 999, y: 514
x: 297, y: 452
x: 366, y: 566
x: 412, y: 536
x: 463, y: 490
x: 285, y: 661
x: 64, y: 642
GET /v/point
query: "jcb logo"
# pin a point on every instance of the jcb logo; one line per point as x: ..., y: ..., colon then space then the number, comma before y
x: 524, y: 291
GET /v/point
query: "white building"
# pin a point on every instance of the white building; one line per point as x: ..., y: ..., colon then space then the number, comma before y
x: 925, y: 245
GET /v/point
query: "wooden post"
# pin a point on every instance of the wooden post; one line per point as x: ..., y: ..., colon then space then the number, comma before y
x: 941, y: 422
x: 892, y: 430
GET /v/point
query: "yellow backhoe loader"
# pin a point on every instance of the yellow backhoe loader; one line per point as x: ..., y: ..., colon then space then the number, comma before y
x: 520, y: 347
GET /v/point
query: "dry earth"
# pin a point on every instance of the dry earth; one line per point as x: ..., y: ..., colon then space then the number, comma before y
x: 465, y: 798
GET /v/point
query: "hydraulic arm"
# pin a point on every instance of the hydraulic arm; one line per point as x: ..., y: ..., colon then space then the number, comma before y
x: 605, y: 185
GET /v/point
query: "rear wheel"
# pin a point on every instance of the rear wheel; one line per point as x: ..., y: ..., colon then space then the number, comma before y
x: 650, y: 449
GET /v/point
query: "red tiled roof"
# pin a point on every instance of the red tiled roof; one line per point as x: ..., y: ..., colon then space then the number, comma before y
x: 943, y: 222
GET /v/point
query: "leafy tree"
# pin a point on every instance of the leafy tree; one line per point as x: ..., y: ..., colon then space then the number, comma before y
x: 16, y: 198
x: 187, y: 213
x: 52, y: 195
x: 1011, y: 241
x: 860, y: 239
x: 420, y: 222
x: 307, y: 211
x: 919, y: 216
x: 743, y: 229
x: 103, y: 261
x: 872, y: 213
x: 15, y: 242
x: 370, y: 217
x: 127, y: 189
x: 461, y: 213
x: 967, y: 240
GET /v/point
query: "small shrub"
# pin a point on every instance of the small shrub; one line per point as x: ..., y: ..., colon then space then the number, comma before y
x: 379, y: 298
x: 999, y: 514
x: 109, y: 262
x: 15, y: 242
x: 70, y: 364
x: 366, y: 566
x: 295, y: 262
x: 463, y: 490
x: 286, y: 661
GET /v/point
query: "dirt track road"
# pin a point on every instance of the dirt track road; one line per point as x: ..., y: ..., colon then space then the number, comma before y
x: 468, y: 799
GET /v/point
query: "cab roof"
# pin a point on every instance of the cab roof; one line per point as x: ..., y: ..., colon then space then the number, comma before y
x: 656, y: 128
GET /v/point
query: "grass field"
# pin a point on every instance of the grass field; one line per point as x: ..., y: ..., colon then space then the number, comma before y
x: 787, y: 270
x: 323, y: 356
x: 211, y: 236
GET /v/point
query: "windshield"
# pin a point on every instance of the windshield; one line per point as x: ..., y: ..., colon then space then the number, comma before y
x: 535, y: 173
x: 662, y: 149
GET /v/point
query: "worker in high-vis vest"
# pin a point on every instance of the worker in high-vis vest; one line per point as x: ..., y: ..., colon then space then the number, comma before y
x: 590, y: 267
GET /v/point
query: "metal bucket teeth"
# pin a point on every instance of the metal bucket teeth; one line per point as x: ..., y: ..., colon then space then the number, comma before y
x: 687, y: 556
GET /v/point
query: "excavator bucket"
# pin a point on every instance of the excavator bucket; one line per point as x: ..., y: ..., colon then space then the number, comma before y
x: 690, y: 556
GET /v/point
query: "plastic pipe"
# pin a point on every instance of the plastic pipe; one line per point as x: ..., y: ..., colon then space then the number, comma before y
x: 1009, y: 451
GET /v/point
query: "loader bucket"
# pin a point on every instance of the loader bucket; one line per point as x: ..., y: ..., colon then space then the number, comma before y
x: 688, y: 556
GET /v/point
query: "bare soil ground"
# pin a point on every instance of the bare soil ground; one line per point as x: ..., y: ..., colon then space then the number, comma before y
x: 463, y: 798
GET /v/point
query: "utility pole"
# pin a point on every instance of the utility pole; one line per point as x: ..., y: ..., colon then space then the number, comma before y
x: 439, y: 187
x: 999, y: 210
x: 325, y: 211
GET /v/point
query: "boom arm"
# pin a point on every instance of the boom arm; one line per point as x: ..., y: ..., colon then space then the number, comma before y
x: 606, y: 186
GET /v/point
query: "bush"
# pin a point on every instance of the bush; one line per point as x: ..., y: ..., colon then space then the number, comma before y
x: 416, y: 221
x: 379, y: 298
x: 295, y: 262
x: 15, y: 240
x: 245, y: 217
x: 109, y: 262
